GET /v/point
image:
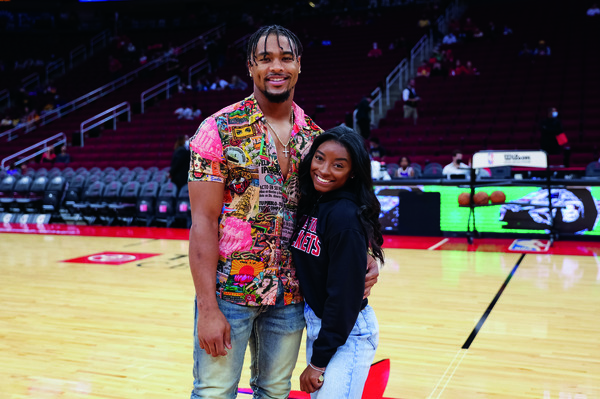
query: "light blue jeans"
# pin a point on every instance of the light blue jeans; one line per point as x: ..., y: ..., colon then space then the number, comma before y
x: 348, y: 369
x: 274, y: 334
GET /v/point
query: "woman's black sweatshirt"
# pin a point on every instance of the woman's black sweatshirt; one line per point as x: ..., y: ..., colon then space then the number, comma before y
x: 330, y: 256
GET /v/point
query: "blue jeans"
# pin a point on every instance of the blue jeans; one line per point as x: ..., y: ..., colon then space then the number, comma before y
x: 348, y: 369
x: 274, y: 334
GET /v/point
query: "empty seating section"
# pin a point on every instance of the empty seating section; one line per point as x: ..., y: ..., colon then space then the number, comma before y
x: 503, y: 106
x: 141, y: 196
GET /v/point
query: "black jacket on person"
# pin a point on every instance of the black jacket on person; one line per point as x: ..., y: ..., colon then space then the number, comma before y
x: 330, y: 256
x: 180, y: 165
x: 550, y: 128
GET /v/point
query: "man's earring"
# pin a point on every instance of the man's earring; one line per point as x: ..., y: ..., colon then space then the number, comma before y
x: 250, y: 73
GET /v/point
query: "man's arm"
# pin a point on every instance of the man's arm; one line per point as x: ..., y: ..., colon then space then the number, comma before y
x: 206, y: 200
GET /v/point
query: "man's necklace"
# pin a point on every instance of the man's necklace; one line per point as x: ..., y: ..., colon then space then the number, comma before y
x: 286, y: 152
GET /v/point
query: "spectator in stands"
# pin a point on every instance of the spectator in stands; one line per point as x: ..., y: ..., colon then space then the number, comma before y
x: 202, y: 84
x: 49, y: 156
x: 437, y: 70
x: 63, y: 157
x: 411, y: 101
x: 593, y: 11
x: 363, y: 117
x: 470, y: 70
x: 114, y: 65
x: 219, y: 84
x: 542, y: 49
x: 184, y: 112
x: 197, y: 113
x: 376, y: 151
x: 143, y: 58
x: 180, y: 162
x: 404, y: 170
x: 6, y: 121
x: 375, y: 52
x: 424, y: 70
x: 507, y: 30
x: 450, y: 38
x: 525, y: 51
x: 237, y: 83
x: 424, y: 22
x: 456, y: 167
x: 553, y: 138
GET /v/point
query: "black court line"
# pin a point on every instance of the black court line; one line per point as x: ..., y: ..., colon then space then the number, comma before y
x: 469, y: 340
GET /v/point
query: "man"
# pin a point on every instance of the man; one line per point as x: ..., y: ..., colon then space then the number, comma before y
x: 456, y: 167
x: 363, y: 117
x: 410, y: 98
x: 243, y: 187
x: 553, y: 138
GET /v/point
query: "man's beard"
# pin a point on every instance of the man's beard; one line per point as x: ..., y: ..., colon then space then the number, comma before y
x: 277, y: 98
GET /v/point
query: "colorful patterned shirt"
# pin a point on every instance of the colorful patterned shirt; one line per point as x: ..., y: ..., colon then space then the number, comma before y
x: 234, y: 147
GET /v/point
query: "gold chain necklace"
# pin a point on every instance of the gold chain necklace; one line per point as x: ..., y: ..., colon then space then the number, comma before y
x: 286, y: 152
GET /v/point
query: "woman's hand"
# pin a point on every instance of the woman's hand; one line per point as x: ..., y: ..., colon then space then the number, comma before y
x: 311, y: 379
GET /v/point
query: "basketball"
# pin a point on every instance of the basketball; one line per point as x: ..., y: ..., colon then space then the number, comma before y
x: 481, y: 198
x: 498, y: 197
x: 463, y: 199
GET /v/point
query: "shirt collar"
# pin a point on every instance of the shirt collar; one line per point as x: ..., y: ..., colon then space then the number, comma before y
x: 257, y: 114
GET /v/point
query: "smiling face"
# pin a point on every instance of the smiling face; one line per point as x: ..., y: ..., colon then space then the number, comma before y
x: 331, y: 167
x: 275, y: 71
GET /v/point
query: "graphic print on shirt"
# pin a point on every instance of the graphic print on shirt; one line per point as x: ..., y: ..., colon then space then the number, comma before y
x: 308, y: 240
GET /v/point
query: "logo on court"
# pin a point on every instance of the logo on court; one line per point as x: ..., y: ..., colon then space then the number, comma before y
x: 529, y: 246
x: 111, y: 258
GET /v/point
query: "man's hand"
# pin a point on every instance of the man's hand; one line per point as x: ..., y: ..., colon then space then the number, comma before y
x: 309, y: 380
x: 213, y: 332
x: 372, y: 275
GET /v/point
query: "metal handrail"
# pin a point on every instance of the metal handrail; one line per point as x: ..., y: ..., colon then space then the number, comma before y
x: 417, y: 49
x: 196, y: 69
x: 59, y: 64
x: 30, y: 79
x: 44, y: 146
x: 99, y: 119
x: 5, y: 95
x: 203, y: 64
x: 99, y: 38
x: 195, y: 42
x: 397, y: 74
x: 77, y: 52
x: 376, y: 103
x: 154, y: 91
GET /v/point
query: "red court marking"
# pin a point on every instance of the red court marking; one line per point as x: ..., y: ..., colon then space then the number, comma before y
x: 111, y: 258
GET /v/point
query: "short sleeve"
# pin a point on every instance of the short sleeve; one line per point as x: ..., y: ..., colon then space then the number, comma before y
x: 207, y: 162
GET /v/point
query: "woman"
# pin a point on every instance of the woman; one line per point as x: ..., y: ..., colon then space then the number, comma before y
x: 338, y: 223
x: 405, y: 170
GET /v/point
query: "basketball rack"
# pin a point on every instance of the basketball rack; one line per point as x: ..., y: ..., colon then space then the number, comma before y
x: 490, y: 159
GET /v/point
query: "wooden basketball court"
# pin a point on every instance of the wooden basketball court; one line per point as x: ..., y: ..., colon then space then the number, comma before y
x: 113, y: 324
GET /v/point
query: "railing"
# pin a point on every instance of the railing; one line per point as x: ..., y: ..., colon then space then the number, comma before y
x: 376, y: 104
x: 38, y: 148
x: 403, y: 71
x: 200, y: 40
x: 5, y: 96
x: 33, y: 79
x: 203, y: 64
x: 196, y: 69
x: 398, y: 74
x: 99, y: 40
x: 111, y: 113
x: 104, y: 90
x: 76, y: 54
x: 158, y: 89
x: 58, y: 65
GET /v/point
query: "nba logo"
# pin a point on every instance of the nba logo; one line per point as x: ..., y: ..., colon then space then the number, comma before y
x: 490, y: 158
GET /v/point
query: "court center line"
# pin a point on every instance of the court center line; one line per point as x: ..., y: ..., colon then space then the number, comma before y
x: 487, y: 312
x: 439, y: 244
